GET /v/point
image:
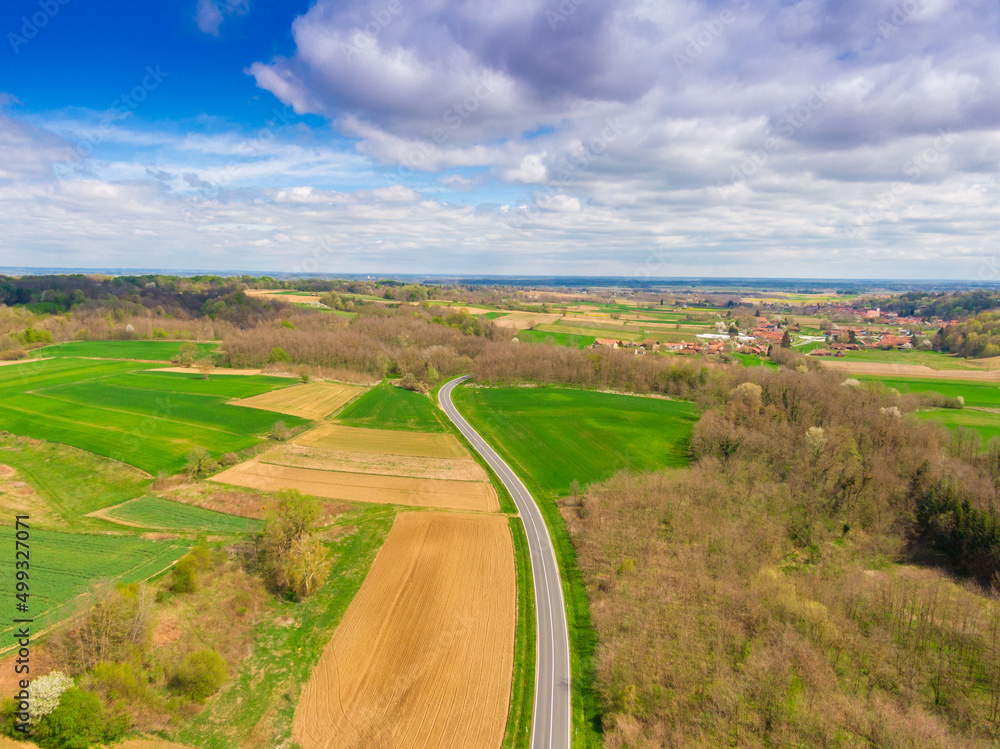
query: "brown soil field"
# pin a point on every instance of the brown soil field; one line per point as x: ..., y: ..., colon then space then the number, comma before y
x: 453, y: 469
x: 212, y: 371
x: 302, y: 298
x: 317, y: 400
x: 424, y: 654
x: 911, y: 370
x: 243, y: 504
x: 383, y: 442
x: 523, y: 320
x: 360, y: 487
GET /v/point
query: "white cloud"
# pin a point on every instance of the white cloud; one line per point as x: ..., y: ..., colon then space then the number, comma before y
x: 208, y: 17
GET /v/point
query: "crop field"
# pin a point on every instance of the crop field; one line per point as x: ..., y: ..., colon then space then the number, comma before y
x: 361, y: 487
x: 79, y: 402
x: 984, y: 422
x: 64, y: 565
x: 383, y: 441
x: 228, y: 386
x: 556, y: 435
x: 522, y: 320
x: 316, y: 400
x: 140, y: 350
x: 424, y: 655
x: 158, y: 513
x: 930, y: 359
x: 570, y: 340
x: 453, y: 469
x: 900, y: 369
x: 976, y: 394
x: 386, y: 406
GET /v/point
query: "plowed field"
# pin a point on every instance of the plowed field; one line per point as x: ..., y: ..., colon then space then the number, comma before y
x: 301, y: 456
x: 316, y: 400
x: 383, y: 441
x: 360, y: 487
x: 423, y: 656
x: 524, y: 320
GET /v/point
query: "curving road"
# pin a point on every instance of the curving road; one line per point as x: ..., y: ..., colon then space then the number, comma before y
x: 551, y: 725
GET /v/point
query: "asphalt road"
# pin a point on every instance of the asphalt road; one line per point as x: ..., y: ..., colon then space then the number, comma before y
x: 551, y: 725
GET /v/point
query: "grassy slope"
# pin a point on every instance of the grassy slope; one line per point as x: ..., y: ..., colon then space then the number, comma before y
x: 522, y: 694
x: 142, y: 350
x: 157, y: 513
x: 72, y: 482
x: 230, y: 386
x: 976, y: 394
x: 560, y: 339
x: 257, y: 706
x: 386, y: 406
x: 538, y: 431
x: 65, y: 565
x: 987, y: 424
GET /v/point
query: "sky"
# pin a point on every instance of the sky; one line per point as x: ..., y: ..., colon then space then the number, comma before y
x: 639, y: 138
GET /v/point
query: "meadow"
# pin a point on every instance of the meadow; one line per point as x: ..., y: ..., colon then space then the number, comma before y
x: 975, y: 394
x: 984, y: 422
x: 386, y: 406
x: 163, y: 514
x: 66, y: 565
x: 570, y: 340
x: 141, y: 350
x: 150, y: 421
x: 555, y: 436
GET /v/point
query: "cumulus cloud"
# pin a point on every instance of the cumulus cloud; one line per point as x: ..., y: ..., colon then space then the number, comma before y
x: 210, y: 14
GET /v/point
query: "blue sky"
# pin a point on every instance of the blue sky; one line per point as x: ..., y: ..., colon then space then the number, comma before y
x: 856, y: 138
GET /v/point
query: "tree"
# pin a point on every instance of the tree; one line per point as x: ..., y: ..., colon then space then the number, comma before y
x: 204, y: 366
x: 200, y: 675
x: 187, y: 354
x: 199, y: 462
x: 786, y: 340
x: 307, y: 566
x: 117, y: 627
x: 277, y: 355
x: 80, y: 721
x: 289, y: 562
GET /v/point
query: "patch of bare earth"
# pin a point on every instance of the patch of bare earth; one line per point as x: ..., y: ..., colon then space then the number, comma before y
x: 424, y: 654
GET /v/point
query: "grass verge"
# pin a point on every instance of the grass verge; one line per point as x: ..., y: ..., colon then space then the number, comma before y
x: 522, y: 692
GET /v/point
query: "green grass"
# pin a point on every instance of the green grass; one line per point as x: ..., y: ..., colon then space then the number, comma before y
x: 987, y: 424
x: 65, y: 565
x: 229, y: 386
x: 552, y: 436
x: 522, y: 693
x: 89, y: 404
x: 932, y: 359
x: 976, y: 394
x: 748, y: 360
x: 143, y: 350
x: 386, y: 406
x: 558, y: 435
x: 159, y: 513
x: 267, y: 687
x: 558, y: 339
x: 72, y: 482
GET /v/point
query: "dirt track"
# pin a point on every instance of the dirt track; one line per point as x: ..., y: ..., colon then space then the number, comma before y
x: 360, y: 487
x: 880, y: 369
x: 424, y: 654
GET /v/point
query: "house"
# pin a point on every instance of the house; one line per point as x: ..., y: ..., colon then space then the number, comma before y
x: 610, y: 342
x: 895, y: 341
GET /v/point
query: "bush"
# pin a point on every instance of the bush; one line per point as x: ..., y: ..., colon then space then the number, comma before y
x: 277, y: 355
x: 184, y: 576
x: 409, y: 382
x: 12, y: 354
x: 199, y: 462
x: 229, y: 459
x: 187, y: 354
x: 159, y: 333
x: 200, y: 675
x: 280, y: 431
x: 79, y: 722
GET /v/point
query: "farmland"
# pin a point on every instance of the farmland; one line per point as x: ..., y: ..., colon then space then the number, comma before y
x: 423, y: 656
x: 109, y: 408
x: 984, y: 422
x: 383, y: 441
x: 386, y: 406
x: 162, y: 514
x: 975, y: 394
x: 316, y: 400
x: 65, y: 565
x: 555, y: 436
x: 139, y: 350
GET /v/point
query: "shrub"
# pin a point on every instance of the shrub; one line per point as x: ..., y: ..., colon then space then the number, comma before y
x: 184, y: 576
x: 200, y: 675
x: 280, y: 431
x: 410, y: 382
x: 12, y: 354
x: 199, y: 462
x: 187, y: 354
x: 277, y: 355
x: 229, y: 459
x: 80, y: 721
x: 159, y: 333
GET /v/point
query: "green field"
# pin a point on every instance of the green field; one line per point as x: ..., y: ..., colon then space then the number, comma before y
x: 976, y: 394
x: 71, y: 482
x: 158, y: 513
x: 555, y: 435
x: 557, y: 339
x: 77, y: 402
x: 65, y: 565
x: 932, y: 359
x: 748, y: 360
x: 230, y: 386
x: 140, y: 350
x: 987, y: 424
x: 386, y: 406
